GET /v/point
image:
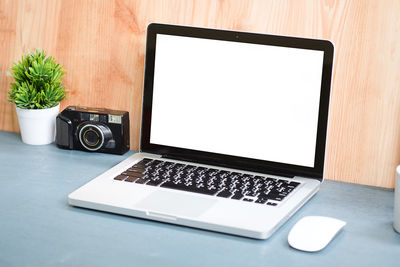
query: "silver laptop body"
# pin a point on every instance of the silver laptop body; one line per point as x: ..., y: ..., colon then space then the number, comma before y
x: 223, y: 102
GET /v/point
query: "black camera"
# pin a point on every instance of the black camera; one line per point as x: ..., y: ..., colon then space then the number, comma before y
x: 93, y: 129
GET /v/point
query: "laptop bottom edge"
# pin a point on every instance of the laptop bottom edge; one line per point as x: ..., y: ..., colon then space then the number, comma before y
x: 166, y: 218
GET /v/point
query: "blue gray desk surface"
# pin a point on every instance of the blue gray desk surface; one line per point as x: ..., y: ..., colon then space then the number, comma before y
x: 39, y: 228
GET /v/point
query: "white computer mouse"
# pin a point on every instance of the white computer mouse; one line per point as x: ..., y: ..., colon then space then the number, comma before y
x: 313, y: 233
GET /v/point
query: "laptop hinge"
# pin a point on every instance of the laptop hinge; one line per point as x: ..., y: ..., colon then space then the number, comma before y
x: 305, y: 177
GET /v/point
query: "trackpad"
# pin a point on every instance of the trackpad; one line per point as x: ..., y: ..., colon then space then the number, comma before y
x: 175, y: 204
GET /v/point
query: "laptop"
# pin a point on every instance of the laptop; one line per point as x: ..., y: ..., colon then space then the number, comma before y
x: 233, y: 132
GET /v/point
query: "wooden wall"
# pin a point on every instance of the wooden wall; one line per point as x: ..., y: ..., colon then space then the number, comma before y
x: 102, y: 46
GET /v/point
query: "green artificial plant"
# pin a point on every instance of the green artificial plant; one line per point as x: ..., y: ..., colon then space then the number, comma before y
x: 37, y: 82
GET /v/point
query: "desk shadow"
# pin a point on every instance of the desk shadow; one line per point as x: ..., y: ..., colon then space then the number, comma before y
x: 389, y: 236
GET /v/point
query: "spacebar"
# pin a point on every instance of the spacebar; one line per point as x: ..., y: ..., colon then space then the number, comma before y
x: 188, y: 188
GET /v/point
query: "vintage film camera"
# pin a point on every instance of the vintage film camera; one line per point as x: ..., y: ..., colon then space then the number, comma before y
x: 93, y: 129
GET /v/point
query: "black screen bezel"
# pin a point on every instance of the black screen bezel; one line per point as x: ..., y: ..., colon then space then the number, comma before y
x: 262, y: 166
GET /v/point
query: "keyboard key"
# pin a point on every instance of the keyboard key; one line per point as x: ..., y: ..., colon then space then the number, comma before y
x: 141, y: 164
x: 251, y: 193
x: 130, y: 179
x: 274, y: 196
x: 237, y: 195
x: 263, y: 196
x: 120, y: 177
x: 154, y: 183
x: 224, y: 194
x: 139, y: 170
x: 140, y: 181
x: 132, y: 174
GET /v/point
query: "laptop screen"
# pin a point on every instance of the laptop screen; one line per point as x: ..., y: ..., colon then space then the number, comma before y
x: 236, y: 98
x: 247, y: 100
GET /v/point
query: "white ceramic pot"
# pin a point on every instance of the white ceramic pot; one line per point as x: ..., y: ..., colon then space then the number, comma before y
x: 38, y: 126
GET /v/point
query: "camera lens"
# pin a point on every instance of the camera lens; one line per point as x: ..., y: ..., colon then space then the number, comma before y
x: 93, y: 136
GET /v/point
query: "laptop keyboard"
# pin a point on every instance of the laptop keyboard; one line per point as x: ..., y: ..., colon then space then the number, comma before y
x: 209, y: 181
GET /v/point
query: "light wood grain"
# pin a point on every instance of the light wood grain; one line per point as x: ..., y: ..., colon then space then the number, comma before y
x: 102, y: 46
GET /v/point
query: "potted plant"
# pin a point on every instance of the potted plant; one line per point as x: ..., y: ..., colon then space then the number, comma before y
x: 37, y: 92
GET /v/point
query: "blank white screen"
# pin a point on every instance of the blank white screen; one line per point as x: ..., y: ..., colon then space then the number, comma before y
x: 247, y: 100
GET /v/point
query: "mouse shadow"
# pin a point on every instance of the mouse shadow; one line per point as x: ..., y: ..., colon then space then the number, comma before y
x: 331, y: 246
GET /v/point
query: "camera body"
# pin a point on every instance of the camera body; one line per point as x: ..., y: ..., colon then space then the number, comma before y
x: 93, y: 130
